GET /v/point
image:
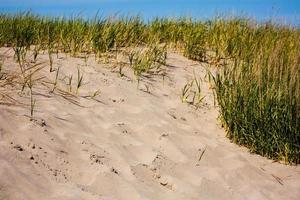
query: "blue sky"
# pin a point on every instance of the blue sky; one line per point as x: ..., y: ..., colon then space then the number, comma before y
x: 283, y: 10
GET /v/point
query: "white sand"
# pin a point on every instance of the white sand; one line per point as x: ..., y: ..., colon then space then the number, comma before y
x: 127, y: 144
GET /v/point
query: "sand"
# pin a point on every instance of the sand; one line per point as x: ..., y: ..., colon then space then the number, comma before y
x: 126, y: 143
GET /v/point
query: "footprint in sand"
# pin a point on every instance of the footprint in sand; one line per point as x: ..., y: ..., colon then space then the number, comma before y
x: 151, y: 175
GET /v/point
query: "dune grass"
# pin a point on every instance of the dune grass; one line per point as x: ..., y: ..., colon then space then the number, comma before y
x: 257, y: 83
x: 259, y: 91
x: 191, y: 92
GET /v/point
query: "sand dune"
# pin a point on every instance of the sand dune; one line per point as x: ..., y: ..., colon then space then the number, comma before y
x: 126, y: 143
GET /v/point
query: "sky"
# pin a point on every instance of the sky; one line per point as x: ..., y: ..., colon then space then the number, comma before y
x: 284, y: 11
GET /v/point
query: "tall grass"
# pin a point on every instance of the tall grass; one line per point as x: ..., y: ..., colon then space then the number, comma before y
x: 257, y: 83
x: 259, y: 91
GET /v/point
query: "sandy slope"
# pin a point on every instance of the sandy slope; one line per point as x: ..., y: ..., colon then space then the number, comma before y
x: 127, y: 144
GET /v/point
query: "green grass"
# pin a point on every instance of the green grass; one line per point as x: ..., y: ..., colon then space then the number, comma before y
x: 191, y: 92
x: 259, y: 91
x: 257, y: 83
x: 148, y: 61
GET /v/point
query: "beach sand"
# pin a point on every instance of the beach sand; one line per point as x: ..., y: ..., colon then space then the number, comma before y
x: 128, y: 143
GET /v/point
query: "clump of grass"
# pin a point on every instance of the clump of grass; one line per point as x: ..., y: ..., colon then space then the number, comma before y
x: 30, y: 80
x: 131, y: 56
x: 95, y: 94
x: 70, y: 83
x: 195, y: 42
x: 259, y: 94
x: 120, y: 71
x: 148, y: 61
x: 185, y: 92
x: 191, y: 92
x: 56, y: 79
x: 79, y: 80
x: 32, y: 100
